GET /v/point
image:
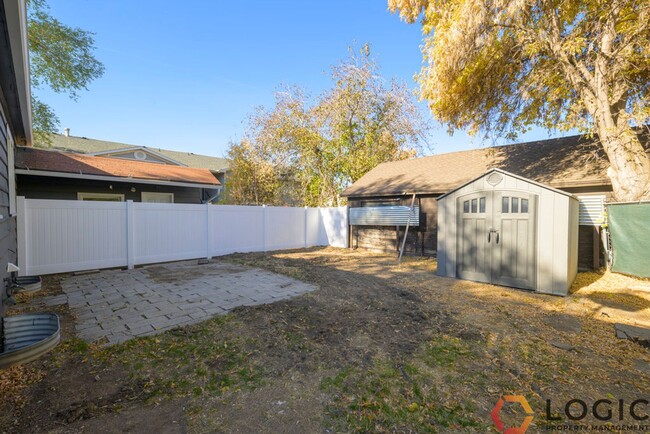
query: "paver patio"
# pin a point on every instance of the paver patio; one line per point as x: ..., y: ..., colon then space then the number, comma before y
x: 121, y: 304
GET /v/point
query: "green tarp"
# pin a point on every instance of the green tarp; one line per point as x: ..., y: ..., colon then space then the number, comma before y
x: 629, y: 226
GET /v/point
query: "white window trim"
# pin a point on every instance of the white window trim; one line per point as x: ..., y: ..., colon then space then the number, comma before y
x: 84, y: 196
x: 155, y: 194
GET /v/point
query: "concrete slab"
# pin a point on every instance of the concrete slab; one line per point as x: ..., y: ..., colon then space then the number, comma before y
x: 637, y: 334
x: 117, y: 305
x: 564, y: 323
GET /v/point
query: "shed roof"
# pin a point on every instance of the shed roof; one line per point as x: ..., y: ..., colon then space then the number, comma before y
x: 574, y: 161
x: 79, y: 164
x: 84, y: 145
x: 503, y: 172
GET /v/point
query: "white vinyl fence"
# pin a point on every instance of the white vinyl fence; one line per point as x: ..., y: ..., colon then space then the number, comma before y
x: 56, y: 236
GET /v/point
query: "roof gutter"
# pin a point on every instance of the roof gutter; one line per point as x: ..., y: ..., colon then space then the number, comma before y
x: 554, y: 185
x: 387, y: 194
x: 113, y: 178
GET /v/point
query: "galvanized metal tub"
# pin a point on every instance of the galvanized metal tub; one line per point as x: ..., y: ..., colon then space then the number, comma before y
x: 27, y: 337
x: 29, y: 283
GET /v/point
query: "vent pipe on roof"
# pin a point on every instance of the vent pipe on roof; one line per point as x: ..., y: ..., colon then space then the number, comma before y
x: 66, y: 132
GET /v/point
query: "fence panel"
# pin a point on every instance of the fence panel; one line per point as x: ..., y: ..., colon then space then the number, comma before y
x: 169, y: 232
x: 236, y: 229
x: 630, y: 232
x: 285, y: 228
x: 334, y: 227
x: 313, y: 227
x: 57, y: 236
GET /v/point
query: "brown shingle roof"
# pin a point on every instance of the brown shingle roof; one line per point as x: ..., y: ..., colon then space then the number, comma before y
x: 54, y: 161
x: 573, y: 161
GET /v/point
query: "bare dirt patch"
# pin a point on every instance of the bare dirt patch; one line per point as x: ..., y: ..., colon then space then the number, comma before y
x: 377, y: 348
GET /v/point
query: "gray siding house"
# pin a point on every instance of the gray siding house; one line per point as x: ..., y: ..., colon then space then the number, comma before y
x: 84, y: 145
x: 15, y: 125
x: 147, y: 177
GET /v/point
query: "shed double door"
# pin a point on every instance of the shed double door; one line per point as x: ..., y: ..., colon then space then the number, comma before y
x: 496, y: 238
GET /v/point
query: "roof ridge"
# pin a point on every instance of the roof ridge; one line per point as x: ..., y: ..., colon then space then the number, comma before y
x: 575, y: 160
x: 122, y: 145
x: 88, y: 156
x: 53, y: 160
x: 530, y: 142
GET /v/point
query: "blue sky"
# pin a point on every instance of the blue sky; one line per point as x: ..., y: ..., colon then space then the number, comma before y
x: 184, y: 75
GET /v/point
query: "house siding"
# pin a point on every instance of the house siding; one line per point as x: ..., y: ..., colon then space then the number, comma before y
x: 8, y: 240
x: 421, y: 240
x: 43, y: 187
x: 588, y: 237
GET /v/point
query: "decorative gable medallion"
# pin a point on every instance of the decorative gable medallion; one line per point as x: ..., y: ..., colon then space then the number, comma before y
x: 494, y: 179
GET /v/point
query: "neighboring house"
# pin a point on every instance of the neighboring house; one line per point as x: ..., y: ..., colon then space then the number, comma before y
x: 574, y: 164
x: 50, y: 174
x: 83, y: 145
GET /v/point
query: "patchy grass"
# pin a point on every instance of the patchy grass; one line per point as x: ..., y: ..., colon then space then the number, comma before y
x: 378, y: 348
x: 445, y: 350
x: 190, y: 361
x: 405, y: 396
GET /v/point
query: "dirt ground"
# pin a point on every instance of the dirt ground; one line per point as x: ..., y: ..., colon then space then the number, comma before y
x: 378, y: 348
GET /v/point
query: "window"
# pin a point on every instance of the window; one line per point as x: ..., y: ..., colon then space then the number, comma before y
x: 474, y: 206
x: 505, y: 204
x: 152, y: 197
x: 109, y: 197
x: 514, y: 205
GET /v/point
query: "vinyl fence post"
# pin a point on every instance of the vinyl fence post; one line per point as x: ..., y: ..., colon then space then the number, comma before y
x: 306, y: 223
x: 21, y: 222
x: 130, y: 235
x: 209, y: 233
x: 264, y: 228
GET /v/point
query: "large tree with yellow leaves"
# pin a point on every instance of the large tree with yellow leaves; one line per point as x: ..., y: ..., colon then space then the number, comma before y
x: 305, y: 151
x: 500, y: 66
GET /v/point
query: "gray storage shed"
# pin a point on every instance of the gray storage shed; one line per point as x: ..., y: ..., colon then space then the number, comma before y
x: 508, y: 230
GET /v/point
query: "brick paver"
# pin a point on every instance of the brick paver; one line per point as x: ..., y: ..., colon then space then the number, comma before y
x: 118, y: 305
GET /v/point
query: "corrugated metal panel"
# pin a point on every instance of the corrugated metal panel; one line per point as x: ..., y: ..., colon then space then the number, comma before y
x: 592, y: 210
x: 384, y: 216
x: 27, y: 337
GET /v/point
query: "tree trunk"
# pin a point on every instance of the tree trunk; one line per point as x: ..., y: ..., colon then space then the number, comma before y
x: 629, y: 168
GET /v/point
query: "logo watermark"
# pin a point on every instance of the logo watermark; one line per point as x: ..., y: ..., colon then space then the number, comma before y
x: 610, y: 415
x: 496, y: 414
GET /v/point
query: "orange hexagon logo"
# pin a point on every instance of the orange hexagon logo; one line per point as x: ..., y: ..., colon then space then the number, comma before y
x: 521, y: 429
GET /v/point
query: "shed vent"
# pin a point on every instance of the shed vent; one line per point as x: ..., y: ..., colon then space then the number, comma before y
x: 592, y: 210
x: 384, y: 216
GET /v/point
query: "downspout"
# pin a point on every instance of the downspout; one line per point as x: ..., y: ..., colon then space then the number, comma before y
x: 210, y: 199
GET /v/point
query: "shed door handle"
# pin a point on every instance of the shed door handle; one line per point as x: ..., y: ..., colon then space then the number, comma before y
x: 489, y: 233
x: 497, y: 236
